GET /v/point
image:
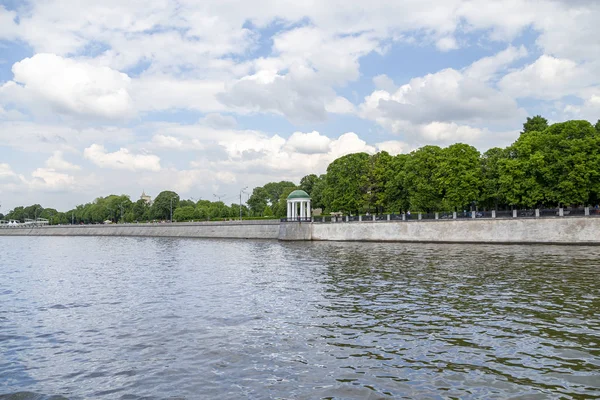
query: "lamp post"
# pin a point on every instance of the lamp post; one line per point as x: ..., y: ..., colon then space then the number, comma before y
x: 241, y: 191
x: 218, y: 196
x: 172, y: 207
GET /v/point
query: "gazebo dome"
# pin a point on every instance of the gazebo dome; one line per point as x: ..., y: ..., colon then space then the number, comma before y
x: 298, y: 194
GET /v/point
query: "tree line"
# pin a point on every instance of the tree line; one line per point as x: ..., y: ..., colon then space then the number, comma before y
x: 120, y: 208
x: 547, y: 166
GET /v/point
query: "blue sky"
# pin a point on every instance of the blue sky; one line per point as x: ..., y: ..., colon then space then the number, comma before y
x: 209, y: 97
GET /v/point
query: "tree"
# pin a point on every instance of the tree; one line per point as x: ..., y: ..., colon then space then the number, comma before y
x: 560, y: 165
x: 491, y: 193
x: 345, y: 183
x: 422, y: 180
x: 274, y: 190
x: 316, y: 195
x: 187, y: 203
x: 140, y: 210
x: 537, y: 124
x: 161, y: 208
x: 377, y: 178
x: 459, y: 176
x: 258, y: 200
x: 185, y: 213
x: 280, y: 208
x: 308, y: 182
x: 396, y: 191
x: 267, y: 212
x: 597, y: 126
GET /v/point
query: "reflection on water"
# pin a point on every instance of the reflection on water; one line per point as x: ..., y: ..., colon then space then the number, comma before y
x: 138, y: 318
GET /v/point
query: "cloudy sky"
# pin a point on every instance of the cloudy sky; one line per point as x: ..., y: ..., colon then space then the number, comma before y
x: 207, y: 97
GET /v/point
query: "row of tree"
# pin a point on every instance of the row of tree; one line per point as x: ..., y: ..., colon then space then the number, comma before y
x: 546, y: 166
x: 115, y: 208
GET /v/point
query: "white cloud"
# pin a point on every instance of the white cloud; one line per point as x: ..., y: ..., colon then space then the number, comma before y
x: 8, y: 27
x: 449, y: 132
x: 48, y: 179
x: 34, y: 137
x: 447, y: 43
x: 10, y: 115
x: 57, y: 162
x: 219, y: 121
x: 167, y: 142
x: 394, y: 147
x: 549, y: 78
x: 444, y: 97
x: 6, y: 173
x: 70, y: 87
x: 487, y: 68
x: 340, y: 105
x: 160, y: 92
x: 385, y: 83
x: 121, y: 159
x: 308, y: 143
x: 298, y: 95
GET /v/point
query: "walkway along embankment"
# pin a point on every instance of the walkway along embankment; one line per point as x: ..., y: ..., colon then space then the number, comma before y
x: 559, y: 230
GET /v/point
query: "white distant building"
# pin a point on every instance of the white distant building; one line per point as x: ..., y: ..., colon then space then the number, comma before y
x: 146, y: 198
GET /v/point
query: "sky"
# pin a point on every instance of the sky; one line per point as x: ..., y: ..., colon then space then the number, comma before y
x: 209, y: 97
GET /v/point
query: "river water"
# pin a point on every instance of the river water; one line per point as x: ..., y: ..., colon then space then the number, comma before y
x: 153, y: 318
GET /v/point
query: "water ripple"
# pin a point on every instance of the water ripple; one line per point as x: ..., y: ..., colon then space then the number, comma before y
x: 141, y: 318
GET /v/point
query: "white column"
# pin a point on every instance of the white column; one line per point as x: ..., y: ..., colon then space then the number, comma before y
x: 294, y: 209
x: 309, y: 213
x: 289, y: 209
x: 301, y: 209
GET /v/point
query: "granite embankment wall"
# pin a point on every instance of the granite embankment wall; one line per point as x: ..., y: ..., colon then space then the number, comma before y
x: 515, y: 231
x: 227, y: 229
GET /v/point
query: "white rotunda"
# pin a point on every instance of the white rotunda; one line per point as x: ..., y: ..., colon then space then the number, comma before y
x: 298, y: 205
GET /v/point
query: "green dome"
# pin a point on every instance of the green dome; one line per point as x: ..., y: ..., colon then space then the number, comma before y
x: 298, y: 194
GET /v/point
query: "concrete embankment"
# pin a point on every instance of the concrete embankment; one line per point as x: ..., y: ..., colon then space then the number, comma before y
x: 572, y: 230
x: 262, y: 229
x: 514, y: 231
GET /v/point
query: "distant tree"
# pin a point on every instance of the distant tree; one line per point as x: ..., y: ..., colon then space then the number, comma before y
x: 267, y: 212
x: 258, y: 200
x: 316, y: 193
x: 141, y: 211
x: 308, y: 182
x: 274, y: 190
x: 537, y: 124
x: 597, y: 126
x: 280, y: 208
x: 185, y: 213
x: 161, y: 208
x: 187, y: 203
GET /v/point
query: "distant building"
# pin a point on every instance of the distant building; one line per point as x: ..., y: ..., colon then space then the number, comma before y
x: 146, y: 198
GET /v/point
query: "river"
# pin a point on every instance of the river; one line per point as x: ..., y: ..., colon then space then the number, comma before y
x: 154, y: 318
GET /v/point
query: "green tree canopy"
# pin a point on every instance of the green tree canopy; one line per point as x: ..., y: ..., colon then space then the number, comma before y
x: 345, y: 183
x: 537, y: 123
x: 422, y: 178
x: 161, y: 208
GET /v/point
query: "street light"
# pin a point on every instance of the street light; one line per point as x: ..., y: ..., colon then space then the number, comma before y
x: 241, y: 201
x: 172, y: 206
x: 218, y: 196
